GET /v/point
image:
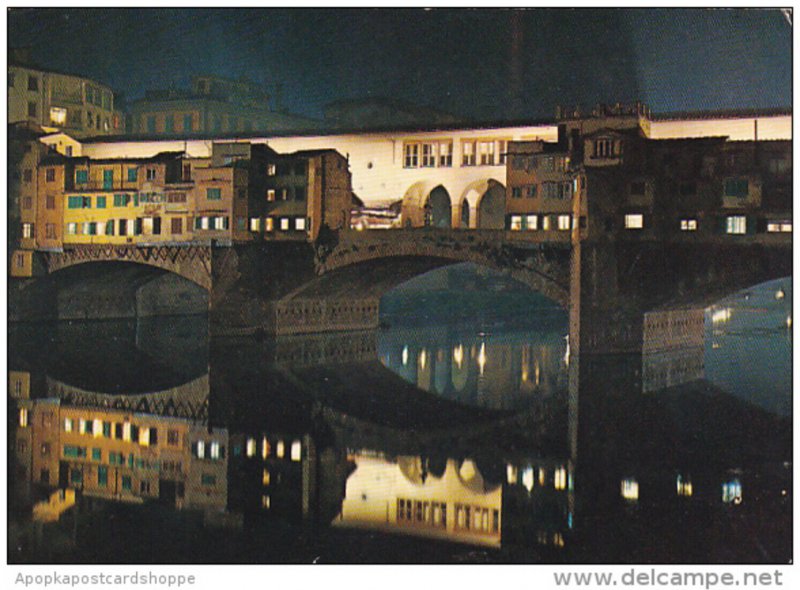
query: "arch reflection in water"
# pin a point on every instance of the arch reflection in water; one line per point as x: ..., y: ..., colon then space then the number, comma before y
x: 498, y: 370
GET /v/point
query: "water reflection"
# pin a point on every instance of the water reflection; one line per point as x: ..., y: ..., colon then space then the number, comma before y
x: 292, y: 448
x: 753, y: 345
x: 500, y: 370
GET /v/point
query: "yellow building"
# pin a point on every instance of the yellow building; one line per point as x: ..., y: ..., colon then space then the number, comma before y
x: 125, y: 201
x: 119, y: 455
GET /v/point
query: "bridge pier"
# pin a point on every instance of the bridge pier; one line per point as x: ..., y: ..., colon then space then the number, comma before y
x: 303, y: 316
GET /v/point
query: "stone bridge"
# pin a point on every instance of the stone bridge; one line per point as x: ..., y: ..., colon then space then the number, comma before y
x: 355, y: 270
x: 190, y: 262
x: 607, y: 283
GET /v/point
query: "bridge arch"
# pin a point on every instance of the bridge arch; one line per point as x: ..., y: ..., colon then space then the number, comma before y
x: 427, y: 204
x: 485, y: 200
x: 370, y: 263
x: 190, y: 262
x: 117, y: 289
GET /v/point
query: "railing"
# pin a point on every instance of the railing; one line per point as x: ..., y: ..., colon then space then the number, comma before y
x: 103, y: 186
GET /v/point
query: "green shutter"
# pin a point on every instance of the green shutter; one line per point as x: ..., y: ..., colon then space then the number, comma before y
x: 132, y: 174
x: 101, y: 203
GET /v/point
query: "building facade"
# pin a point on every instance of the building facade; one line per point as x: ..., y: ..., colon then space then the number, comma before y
x: 606, y: 175
x: 241, y: 193
x: 213, y: 105
x: 603, y: 172
x: 75, y: 104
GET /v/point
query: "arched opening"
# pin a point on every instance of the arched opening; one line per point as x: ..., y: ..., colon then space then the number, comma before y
x: 115, y: 289
x: 492, y: 207
x: 464, y: 214
x: 437, y: 208
x: 426, y: 204
x: 485, y: 201
x: 476, y: 336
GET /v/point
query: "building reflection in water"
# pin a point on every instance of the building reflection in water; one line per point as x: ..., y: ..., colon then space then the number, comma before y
x: 270, y: 444
x: 498, y: 371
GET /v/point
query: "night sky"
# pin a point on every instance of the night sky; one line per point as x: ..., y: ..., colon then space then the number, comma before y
x: 482, y: 64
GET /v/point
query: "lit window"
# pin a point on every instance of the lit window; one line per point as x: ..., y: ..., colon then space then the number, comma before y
x: 532, y: 221
x: 23, y: 417
x: 736, y: 224
x: 201, y: 449
x: 410, y: 155
x: 446, y: 154
x: 271, y: 170
x: 82, y: 426
x: 546, y: 222
x: 634, y: 221
x: 265, y: 448
x: 269, y: 224
x: 27, y: 230
x: 428, y: 155
x: 516, y: 222
x: 250, y: 447
x: 629, y: 488
x: 126, y: 431
x: 58, y: 115
x: 265, y: 502
x: 688, y: 225
x: 265, y: 477
x: 468, y: 153
x: 216, y: 450
x: 67, y: 424
x: 255, y: 224
x: 684, y: 486
x: 144, y: 437
x: 779, y: 226
x: 284, y: 223
x: 560, y: 478
x: 527, y: 478
x: 300, y: 223
x: 271, y: 194
x: 296, y: 451
x: 279, y: 449
x: 603, y: 148
x: 732, y: 492
x: 486, y: 150
x: 563, y: 222
x: 220, y: 223
x: 97, y: 428
x: 72, y: 229
x: 511, y: 474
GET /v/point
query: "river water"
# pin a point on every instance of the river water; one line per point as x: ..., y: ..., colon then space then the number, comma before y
x: 461, y: 431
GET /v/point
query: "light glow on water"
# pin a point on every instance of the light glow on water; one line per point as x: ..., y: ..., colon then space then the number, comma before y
x: 720, y: 316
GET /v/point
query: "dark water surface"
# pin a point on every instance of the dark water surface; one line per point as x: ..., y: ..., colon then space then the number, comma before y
x: 462, y: 431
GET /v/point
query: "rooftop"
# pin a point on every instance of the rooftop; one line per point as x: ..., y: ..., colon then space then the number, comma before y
x: 551, y: 122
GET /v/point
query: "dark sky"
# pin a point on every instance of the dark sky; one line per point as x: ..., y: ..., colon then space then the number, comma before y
x: 484, y: 64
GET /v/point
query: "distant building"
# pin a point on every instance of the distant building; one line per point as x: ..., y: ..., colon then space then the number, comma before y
x: 383, y: 113
x: 213, y: 105
x: 72, y: 103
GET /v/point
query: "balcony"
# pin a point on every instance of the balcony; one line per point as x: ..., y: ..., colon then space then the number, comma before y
x: 103, y: 186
